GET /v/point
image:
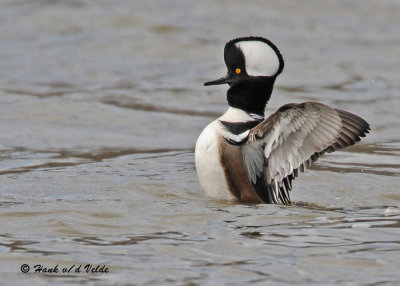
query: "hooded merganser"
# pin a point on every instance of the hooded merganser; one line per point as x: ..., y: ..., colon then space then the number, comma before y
x: 243, y: 157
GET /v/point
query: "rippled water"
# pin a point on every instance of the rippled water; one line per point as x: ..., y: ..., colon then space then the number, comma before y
x: 101, y: 103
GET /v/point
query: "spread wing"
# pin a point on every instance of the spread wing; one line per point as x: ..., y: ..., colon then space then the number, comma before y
x: 290, y: 140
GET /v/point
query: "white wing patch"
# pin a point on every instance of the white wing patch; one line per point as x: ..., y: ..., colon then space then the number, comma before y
x: 260, y: 58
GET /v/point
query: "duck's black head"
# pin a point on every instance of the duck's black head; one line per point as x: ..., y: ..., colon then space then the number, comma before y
x: 253, y: 64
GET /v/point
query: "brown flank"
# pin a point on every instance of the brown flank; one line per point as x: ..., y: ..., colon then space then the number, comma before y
x: 235, y: 174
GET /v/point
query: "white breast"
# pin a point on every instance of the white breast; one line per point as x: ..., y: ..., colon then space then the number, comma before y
x: 208, y: 165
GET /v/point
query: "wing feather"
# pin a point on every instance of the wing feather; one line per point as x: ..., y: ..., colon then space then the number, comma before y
x: 291, y: 139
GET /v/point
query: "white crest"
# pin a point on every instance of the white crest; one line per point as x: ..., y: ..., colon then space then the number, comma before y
x: 261, y: 59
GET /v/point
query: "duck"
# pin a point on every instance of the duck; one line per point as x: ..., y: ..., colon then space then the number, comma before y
x: 247, y: 157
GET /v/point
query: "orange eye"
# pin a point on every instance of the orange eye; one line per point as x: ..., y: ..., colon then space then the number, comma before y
x: 238, y: 71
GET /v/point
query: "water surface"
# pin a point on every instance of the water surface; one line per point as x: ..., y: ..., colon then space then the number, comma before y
x: 101, y: 104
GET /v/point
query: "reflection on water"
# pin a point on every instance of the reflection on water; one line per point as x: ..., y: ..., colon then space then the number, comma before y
x: 102, y: 103
x: 359, y: 161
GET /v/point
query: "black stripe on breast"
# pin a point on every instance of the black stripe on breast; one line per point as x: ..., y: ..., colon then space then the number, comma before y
x: 237, y: 128
x: 235, y: 143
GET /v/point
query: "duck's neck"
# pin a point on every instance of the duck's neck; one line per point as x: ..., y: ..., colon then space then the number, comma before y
x: 251, y: 95
x: 234, y: 114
